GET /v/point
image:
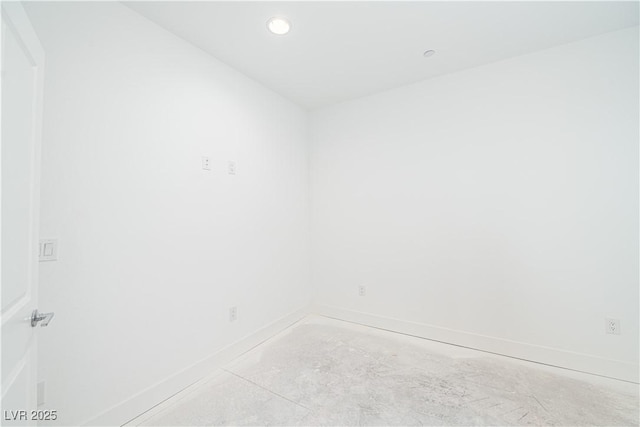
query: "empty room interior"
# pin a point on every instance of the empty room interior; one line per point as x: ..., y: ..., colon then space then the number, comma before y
x: 320, y: 213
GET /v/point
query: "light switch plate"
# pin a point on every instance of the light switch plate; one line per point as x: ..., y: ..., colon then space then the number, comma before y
x: 48, y: 249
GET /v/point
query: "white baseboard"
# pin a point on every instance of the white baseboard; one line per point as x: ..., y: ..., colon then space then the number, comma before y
x: 621, y: 370
x: 137, y: 404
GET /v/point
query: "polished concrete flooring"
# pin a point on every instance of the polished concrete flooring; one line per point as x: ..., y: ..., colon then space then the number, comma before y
x: 322, y: 371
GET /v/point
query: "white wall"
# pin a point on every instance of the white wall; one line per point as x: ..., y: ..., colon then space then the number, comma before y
x: 154, y: 250
x: 495, y: 207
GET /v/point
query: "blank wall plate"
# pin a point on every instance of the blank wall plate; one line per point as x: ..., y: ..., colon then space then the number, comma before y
x: 48, y: 250
x: 233, y: 314
x: 362, y: 291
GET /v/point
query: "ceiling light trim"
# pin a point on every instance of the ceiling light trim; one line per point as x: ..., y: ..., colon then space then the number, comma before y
x: 278, y: 25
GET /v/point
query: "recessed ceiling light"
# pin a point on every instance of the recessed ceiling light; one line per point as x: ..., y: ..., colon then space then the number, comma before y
x: 428, y: 53
x: 279, y: 26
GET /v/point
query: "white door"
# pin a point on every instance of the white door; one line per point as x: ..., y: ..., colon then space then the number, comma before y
x: 22, y: 79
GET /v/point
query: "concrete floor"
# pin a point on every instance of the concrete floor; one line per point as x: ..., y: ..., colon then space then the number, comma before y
x: 322, y: 371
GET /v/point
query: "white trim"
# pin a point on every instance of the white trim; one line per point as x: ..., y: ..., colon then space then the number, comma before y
x: 616, y: 369
x: 146, y: 399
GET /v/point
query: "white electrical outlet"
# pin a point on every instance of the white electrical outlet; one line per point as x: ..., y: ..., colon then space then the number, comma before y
x: 233, y: 314
x: 612, y: 326
x: 231, y: 167
x: 206, y: 163
x: 362, y: 291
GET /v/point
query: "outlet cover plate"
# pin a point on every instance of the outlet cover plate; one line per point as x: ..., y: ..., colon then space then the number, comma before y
x: 206, y: 163
x: 232, y: 167
x: 612, y: 326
